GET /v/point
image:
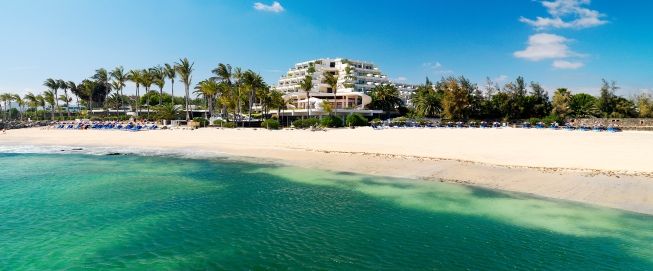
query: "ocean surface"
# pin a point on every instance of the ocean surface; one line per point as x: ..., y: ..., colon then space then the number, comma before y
x: 131, y: 212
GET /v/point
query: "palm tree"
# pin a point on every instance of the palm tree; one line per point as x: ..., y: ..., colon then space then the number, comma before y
x: 41, y: 103
x: 170, y: 72
x: 386, y: 98
x: 66, y: 100
x: 208, y: 89
x: 87, y: 87
x: 277, y: 101
x: 5, y: 98
x: 332, y: 80
x: 185, y: 69
x: 21, y: 104
x: 49, y: 97
x: 223, y: 73
x: 32, y: 102
x: 119, y: 79
x: 53, y: 86
x: 159, y: 76
x: 63, y: 85
x: 307, y: 84
x: 252, y: 81
x: 73, y: 89
x: 102, y: 76
x: 147, y: 79
x: 238, y: 76
x: 135, y: 76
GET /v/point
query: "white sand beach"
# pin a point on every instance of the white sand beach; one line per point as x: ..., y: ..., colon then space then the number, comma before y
x: 608, y: 169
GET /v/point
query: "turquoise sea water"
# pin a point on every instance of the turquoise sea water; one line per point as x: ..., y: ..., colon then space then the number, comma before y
x: 83, y: 212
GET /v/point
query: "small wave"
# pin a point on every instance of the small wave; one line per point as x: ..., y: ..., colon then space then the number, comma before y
x: 100, y: 151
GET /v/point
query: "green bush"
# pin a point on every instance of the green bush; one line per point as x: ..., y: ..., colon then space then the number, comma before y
x: 224, y: 124
x: 271, y: 124
x: 356, y: 119
x: 533, y: 121
x: 305, y: 123
x: 202, y: 121
x: 551, y: 119
x: 331, y: 122
x: 400, y: 121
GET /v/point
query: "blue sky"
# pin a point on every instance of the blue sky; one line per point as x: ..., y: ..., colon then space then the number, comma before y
x: 575, y: 44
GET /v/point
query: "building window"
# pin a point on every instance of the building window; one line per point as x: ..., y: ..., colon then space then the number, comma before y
x: 332, y: 64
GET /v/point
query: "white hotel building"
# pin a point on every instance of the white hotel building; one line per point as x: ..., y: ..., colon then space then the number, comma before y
x: 355, y: 80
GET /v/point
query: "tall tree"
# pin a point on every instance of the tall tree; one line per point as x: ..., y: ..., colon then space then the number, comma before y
x: 386, y: 98
x: 73, y: 89
x: 159, y: 76
x: 307, y: 85
x: 185, y: 70
x: 332, y: 80
x: 119, y: 82
x: 41, y: 101
x: 456, y: 99
x: 171, y: 73
x: 427, y: 101
x: 561, y: 103
x: 63, y: 85
x: 52, y: 86
x: 21, y: 104
x: 607, y: 98
x: 252, y: 82
x: 538, y: 101
x: 50, y: 98
x: 136, y: 77
x: 223, y: 73
x: 147, y: 79
x: 644, y: 103
x: 208, y: 89
x: 583, y: 105
x: 102, y: 77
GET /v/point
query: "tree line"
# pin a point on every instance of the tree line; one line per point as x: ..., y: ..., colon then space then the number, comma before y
x: 228, y: 93
x: 456, y: 98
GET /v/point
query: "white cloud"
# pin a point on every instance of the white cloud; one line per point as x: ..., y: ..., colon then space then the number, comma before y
x: 560, y: 10
x: 567, y: 65
x: 436, y: 68
x: 545, y: 46
x: 276, y: 7
x: 400, y: 79
x: 500, y: 79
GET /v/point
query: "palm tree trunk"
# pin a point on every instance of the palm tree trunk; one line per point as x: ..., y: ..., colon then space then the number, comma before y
x: 78, y: 108
x: 308, y: 103
x: 122, y: 102
x: 172, y: 91
x: 138, y: 100
x: 251, y: 100
x: 56, y: 104
x: 67, y: 104
x: 160, y: 96
x: 187, y: 104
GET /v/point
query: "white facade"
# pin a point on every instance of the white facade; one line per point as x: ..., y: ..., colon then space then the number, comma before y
x: 355, y: 80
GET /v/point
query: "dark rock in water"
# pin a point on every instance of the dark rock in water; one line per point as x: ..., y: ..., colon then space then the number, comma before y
x: 77, y: 149
x: 114, y: 154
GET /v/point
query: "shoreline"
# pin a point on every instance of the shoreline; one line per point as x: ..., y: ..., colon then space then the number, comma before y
x: 626, y: 188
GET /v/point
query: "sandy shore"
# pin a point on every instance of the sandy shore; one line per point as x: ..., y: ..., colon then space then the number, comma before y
x: 607, y: 169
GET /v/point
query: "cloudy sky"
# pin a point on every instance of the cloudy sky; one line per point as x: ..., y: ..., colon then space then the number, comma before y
x: 559, y: 43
